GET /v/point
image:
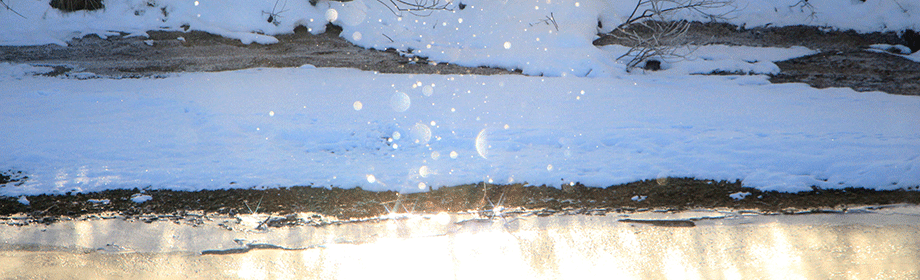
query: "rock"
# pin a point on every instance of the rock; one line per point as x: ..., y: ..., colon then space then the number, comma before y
x: 652, y: 65
x: 912, y: 39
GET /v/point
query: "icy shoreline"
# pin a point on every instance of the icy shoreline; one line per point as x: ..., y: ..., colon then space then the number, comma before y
x: 465, y: 247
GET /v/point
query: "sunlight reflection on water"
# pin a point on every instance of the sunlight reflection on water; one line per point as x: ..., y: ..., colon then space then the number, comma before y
x: 467, y: 246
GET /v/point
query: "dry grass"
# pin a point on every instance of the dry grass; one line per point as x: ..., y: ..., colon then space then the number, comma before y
x: 77, y: 5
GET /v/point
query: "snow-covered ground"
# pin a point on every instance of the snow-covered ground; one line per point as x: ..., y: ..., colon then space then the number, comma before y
x: 342, y: 127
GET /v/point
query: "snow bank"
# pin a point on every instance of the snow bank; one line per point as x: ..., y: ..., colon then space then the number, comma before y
x: 342, y: 127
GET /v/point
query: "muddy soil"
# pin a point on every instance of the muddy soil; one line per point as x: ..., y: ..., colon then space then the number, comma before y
x: 195, y: 51
x: 844, y: 59
x: 663, y: 194
x: 860, y: 70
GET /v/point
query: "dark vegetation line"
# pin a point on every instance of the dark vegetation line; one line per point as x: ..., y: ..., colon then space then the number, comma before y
x: 354, y: 203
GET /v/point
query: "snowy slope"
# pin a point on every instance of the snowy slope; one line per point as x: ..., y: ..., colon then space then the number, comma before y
x: 341, y: 127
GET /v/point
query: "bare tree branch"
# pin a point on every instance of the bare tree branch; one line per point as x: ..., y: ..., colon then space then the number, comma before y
x: 654, y: 34
x: 661, y: 9
x: 804, y: 5
x: 421, y: 8
x: 11, y: 9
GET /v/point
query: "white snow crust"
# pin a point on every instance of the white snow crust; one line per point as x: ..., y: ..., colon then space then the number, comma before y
x: 347, y: 128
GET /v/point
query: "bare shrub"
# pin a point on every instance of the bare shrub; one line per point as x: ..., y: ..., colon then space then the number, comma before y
x: 654, y: 39
x: 805, y: 7
x: 651, y: 31
x: 274, y: 17
x: 76, y: 5
x: 417, y: 7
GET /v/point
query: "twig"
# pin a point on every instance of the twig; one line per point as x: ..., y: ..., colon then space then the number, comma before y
x: 257, y: 206
x: 391, y: 41
x: 273, y: 17
x: 259, y: 227
x: 805, y: 5
x: 11, y: 9
x: 417, y: 8
x: 655, y: 9
x: 903, y: 10
x: 550, y: 19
